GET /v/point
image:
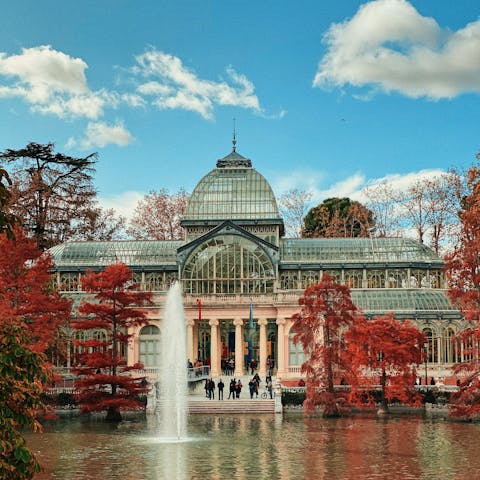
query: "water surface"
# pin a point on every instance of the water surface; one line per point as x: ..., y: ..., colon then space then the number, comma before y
x: 261, y: 447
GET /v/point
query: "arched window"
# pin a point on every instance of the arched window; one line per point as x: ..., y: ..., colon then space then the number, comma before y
x: 375, y: 278
x: 149, y: 346
x: 228, y: 264
x: 296, y: 356
x: 154, y: 282
x: 69, y: 282
x: 288, y: 281
x: 309, y: 277
x: 354, y: 278
x: 396, y: 278
x: 432, y: 348
x: 450, y: 346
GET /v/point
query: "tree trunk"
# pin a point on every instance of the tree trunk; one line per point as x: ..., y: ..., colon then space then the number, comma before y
x: 113, y: 415
x: 383, y: 408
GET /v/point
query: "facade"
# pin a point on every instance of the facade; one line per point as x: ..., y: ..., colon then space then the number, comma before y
x: 242, y: 279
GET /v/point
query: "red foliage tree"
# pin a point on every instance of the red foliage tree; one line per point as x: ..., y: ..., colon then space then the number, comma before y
x: 327, y: 310
x: 158, y: 215
x: 104, y: 381
x: 26, y: 293
x: 384, y: 352
x: 463, y: 271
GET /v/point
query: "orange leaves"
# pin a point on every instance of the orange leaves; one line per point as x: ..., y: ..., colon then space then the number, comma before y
x: 104, y: 381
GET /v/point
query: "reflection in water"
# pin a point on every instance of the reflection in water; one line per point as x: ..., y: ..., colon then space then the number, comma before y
x: 258, y: 447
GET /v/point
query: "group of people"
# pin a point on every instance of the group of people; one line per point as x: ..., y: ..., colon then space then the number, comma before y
x: 235, y: 387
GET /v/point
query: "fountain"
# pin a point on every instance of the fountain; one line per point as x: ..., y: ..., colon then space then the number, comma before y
x: 173, y: 382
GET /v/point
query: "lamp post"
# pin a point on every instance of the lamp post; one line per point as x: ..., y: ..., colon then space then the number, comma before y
x: 425, y: 361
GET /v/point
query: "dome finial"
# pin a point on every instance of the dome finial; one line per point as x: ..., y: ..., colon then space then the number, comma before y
x: 234, y: 141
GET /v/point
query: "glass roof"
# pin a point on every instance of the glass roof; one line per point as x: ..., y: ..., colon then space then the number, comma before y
x: 132, y: 253
x: 398, y: 300
x: 354, y: 250
x: 233, y: 190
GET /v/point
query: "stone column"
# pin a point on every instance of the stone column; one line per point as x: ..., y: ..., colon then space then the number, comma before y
x: 262, y: 371
x: 238, y: 322
x: 214, y: 362
x: 281, y: 367
x: 190, y: 353
x: 195, y: 342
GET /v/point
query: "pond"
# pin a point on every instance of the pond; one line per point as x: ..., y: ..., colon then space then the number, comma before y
x: 260, y: 447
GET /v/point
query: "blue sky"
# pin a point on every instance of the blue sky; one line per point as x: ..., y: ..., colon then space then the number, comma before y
x: 330, y: 96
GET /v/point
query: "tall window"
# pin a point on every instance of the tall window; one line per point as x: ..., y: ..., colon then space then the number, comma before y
x: 450, y: 345
x: 432, y: 349
x: 228, y: 264
x: 149, y: 345
x: 296, y: 355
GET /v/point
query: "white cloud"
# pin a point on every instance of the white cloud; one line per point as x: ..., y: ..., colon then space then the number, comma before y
x: 353, y: 186
x: 390, y: 46
x: 171, y: 85
x: 124, y: 203
x: 100, y: 134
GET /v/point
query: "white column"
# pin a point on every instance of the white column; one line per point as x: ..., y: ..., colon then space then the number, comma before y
x: 214, y: 362
x: 190, y: 352
x: 263, y: 347
x: 238, y: 322
x: 281, y: 367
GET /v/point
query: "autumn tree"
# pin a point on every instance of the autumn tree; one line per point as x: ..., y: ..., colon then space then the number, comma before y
x: 326, y: 311
x: 293, y: 208
x: 338, y: 217
x: 158, y: 215
x: 384, y: 352
x: 51, y: 192
x: 7, y: 219
x: 384, y: 206
x: 26, y: 292
x: 23, y: 374
x: 100, y: 224
x: 463, y: 271
x: 104, y: 382
x: 427, y: 206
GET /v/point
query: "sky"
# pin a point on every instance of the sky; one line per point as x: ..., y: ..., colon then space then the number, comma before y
x: 328, y: 96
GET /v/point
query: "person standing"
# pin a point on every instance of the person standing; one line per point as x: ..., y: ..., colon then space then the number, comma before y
x: 251, y: 387
x: 238, y: 388
x: 231, y: 392
x: 270, y: 387
x: 212, y: 389
x: 220, y: 386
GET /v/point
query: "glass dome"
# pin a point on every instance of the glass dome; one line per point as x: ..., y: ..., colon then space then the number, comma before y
x: 232, y: 191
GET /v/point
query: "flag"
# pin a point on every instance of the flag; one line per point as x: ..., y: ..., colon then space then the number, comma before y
x: 251, y: 314
x: 199, y: 305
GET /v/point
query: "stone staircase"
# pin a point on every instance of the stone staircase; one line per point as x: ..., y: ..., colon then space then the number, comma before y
x: 231, y: 407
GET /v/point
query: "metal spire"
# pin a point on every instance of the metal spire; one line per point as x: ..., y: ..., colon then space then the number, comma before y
x: 234, y: 141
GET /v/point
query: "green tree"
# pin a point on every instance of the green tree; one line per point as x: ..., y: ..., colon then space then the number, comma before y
x: 52, y: 193
x: 22, y: 374
x: 338, y: 217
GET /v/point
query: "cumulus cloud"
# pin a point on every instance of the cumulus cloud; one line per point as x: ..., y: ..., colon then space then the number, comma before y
x: 52, y: 82
x: 353, y: 186
x: 171, y: 85
x: 389, y: 46
x: 100, y: 134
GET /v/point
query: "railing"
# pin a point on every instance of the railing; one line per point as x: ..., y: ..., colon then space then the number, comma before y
x: 193, y: 374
